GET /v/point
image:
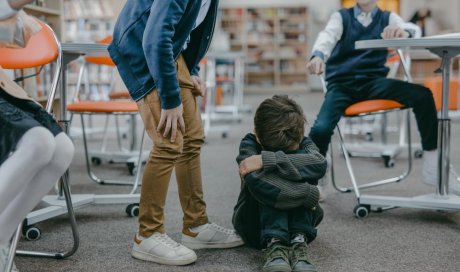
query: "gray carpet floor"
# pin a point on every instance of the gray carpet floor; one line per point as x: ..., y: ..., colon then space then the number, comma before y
x: 400, y: 239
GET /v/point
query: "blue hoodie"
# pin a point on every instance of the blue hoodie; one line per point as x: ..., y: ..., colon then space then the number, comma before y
x: 149, y: 36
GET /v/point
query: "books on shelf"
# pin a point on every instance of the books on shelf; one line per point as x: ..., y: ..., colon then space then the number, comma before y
x: 275, y: 41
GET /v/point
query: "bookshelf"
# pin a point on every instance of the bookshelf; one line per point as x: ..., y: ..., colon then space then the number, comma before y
x: 48, y: 11
x: 88, y: 20
x: 274, y: 40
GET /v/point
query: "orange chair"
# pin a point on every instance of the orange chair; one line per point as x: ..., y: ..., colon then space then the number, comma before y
x: 43, y: 48
x: 107, y: 108
x: 366, y: 108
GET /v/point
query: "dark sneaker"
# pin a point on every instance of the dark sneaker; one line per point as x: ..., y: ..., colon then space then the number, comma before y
x: 277, y: 259
x: 299, y: 259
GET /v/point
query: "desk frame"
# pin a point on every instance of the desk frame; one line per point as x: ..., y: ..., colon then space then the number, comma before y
x: 446, y: 48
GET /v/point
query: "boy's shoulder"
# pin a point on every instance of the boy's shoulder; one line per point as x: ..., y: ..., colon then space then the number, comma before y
x: 250, y: 140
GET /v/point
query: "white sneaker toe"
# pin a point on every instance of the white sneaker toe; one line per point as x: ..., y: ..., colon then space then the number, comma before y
x: 212, y: 236
x: 160, y: 248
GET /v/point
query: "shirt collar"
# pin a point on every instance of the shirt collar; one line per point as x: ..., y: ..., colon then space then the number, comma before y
x: 357, y: 11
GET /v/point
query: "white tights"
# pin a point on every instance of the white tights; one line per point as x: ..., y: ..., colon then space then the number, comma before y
x: 29, y: 173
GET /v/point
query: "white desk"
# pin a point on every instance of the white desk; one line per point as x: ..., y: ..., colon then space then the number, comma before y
x: 446, y: 47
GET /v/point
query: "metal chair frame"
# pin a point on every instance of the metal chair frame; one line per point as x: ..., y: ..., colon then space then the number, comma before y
x: 346, y: 153
x: 63, y: 184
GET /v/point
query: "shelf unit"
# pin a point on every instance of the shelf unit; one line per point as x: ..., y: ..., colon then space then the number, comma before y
x: 48, y: 11
x: 88, y: 20
x: 274, y: 41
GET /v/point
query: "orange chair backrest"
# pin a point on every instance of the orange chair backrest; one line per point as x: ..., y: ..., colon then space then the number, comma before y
x: 40, y: 50
x: 101, y: 60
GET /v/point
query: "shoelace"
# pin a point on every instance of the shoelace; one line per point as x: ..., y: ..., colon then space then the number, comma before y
x: 276, y: 252
x: 222, y: 229
x: 164, y: 238
x: 300, y: 253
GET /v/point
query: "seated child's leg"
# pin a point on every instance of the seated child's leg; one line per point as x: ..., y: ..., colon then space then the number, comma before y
x: 275, y: 237
x: 305, y: 221
x: 302, y: 223
x: 274, y: 224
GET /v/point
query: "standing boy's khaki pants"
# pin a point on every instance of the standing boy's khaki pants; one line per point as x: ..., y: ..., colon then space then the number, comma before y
x: 183, y: 155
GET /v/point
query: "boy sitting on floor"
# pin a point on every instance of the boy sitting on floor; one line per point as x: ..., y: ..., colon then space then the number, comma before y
x: 278, y: 207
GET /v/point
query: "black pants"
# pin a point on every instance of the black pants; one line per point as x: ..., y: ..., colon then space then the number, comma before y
x: 282, y: 224
x: 342, y: 93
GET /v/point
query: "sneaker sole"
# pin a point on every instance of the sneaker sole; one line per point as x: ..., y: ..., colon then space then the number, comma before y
x: 277, y: 268
x: 156, y: 259
x: 193, y: 245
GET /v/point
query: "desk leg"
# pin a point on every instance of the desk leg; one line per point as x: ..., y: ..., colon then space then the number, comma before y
x: 444, y: 129
x: 442, y: 188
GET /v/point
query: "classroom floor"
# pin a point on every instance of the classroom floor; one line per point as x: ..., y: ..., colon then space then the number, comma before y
x: 400, y: 239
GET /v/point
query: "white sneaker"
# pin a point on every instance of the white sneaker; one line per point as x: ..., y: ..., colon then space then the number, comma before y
x: 321, y: 188
x: 160, y: 248
x: 322, y: 182
x: 430, y: 167
x: 430, y: 172
x: 4, y: 253
x: 211, y: 236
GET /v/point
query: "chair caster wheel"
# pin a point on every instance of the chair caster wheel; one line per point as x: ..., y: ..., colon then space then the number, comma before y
x: 369, y: 137
x: 418, y: 154
x: 96, y: 160
x: 131, y: 168
x: 361, y: 211
x: 31, y: 233
x: 132, y: 210
x: 388, y: 161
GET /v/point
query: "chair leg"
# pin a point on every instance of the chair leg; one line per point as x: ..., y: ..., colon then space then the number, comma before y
x: 73, y: 224
x: 139, y: 165
x: 355, y: 187
x: 89, y: 168
x: 12, y: 252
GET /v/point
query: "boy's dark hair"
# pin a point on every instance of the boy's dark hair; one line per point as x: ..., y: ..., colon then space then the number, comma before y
x: 279, y: 123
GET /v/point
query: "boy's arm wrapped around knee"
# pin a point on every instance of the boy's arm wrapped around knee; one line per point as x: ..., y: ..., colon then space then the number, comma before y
x: 284, y: 180
x: 305, y: 164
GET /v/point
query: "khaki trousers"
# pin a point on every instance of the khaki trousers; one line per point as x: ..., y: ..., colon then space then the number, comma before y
x: 183, y: 155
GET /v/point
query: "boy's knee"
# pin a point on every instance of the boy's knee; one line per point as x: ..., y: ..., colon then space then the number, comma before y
x: 168, y: 150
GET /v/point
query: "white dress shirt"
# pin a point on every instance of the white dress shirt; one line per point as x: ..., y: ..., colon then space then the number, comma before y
x: 328, y: 38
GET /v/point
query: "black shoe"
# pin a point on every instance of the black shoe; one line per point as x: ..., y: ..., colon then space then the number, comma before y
x: 277, y: 259
x: 299, y: 259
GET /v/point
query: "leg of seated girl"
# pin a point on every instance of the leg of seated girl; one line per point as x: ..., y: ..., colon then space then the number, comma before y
x: 33, y: 152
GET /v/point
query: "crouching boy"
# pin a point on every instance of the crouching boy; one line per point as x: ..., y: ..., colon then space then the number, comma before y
x: 277, y: 208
